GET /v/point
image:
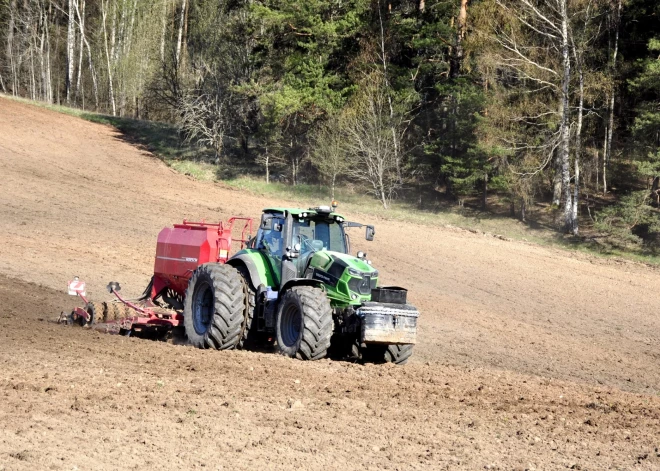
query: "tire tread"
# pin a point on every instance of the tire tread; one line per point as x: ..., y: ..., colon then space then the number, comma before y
x: 224, y: 331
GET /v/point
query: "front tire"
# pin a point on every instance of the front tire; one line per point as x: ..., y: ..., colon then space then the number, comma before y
x: 397, y: 354
x: 304, y: 323
x: 213, y: 307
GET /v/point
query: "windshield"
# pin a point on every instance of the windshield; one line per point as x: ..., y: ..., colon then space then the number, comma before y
x: 319, y: 234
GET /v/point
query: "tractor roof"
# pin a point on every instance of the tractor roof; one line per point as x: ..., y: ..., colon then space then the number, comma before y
x: 298, y: 211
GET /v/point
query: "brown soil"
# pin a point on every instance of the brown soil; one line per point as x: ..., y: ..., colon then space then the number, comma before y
x: 528, y: 358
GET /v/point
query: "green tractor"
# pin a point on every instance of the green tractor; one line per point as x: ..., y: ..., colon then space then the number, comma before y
x: 296, y: 283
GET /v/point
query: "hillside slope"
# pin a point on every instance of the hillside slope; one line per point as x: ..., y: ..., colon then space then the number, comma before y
x: 510, y: 333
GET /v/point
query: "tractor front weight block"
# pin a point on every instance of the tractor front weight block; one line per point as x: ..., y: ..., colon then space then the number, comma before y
x: 387, y: 323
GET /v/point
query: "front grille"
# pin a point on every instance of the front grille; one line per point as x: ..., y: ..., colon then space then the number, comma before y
x: 362, y: 285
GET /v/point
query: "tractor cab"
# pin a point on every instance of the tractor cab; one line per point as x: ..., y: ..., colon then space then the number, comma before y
x: 296, y: 241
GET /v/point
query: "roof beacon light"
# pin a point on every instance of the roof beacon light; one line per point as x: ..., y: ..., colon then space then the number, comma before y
x: 335, y: 203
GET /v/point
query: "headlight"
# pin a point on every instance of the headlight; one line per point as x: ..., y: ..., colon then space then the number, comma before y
x: 354, y: 272
x: 374, y: 274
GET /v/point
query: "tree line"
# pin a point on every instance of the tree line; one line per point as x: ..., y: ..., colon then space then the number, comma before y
x: 535, y: 100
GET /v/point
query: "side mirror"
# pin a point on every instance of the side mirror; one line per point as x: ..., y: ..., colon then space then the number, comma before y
x: 371, y: 232
x: 266, y: 223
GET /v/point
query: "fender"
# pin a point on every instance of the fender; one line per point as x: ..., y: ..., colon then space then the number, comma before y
x: 301, y: 282
x: 244, y: 260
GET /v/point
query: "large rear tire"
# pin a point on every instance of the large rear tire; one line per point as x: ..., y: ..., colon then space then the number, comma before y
x: 248, y: 331
x: 304, y: 323
x: 213, y: 307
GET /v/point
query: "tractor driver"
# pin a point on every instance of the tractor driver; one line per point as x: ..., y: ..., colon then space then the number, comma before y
x: 272, y: 239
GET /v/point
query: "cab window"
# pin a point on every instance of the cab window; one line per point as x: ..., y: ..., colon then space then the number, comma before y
x: 271, y: 238
x: 318, y: 235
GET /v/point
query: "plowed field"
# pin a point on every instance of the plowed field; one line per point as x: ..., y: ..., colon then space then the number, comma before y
x: 528, y: 357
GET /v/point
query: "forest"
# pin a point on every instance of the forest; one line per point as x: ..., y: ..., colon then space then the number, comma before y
x: 477, y: 102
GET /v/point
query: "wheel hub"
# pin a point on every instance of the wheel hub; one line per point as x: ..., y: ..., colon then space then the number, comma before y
x: 291, y: 325
x: 203, y: 308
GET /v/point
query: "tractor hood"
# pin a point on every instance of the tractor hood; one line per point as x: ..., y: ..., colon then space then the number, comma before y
x: 347, y: 277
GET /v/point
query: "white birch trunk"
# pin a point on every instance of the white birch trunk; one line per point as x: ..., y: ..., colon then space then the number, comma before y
x: 83, y: 35
x: 70, y: 50
x: 107, y: 56
x: 180, y: 35
x: 80, y: 13
x: 395, y: 141
x: 33, y: 85
x: 49, y: 80
x: 43, y: 52
x: 267, y: 161
x: 578, y: 152
x: 10, y: 47
x: 113, y: 31
x: 609, y: 129
x: 564, y: 146
x: 131, y: 29
x: 610, y: 125
x: 163, y: 31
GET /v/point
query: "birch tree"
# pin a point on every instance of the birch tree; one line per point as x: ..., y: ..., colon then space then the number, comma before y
x: 531, y: 42
x: 108, y: 53
x: 84, y: 42
x: 79, y: 5
x: 180, y: 35
x: 584, y: 32
x: 609, y: 127
x: 70, y: 49
x: 44, y: 52
x: 367, y: 131
x: 10, y: 47
x: 564, y: 147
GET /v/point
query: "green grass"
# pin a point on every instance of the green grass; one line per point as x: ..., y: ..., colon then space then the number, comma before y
x: 198, y: 170
x: 164, y: 142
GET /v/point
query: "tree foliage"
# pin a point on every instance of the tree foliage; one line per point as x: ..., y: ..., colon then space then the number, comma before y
x: 532, y: 100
